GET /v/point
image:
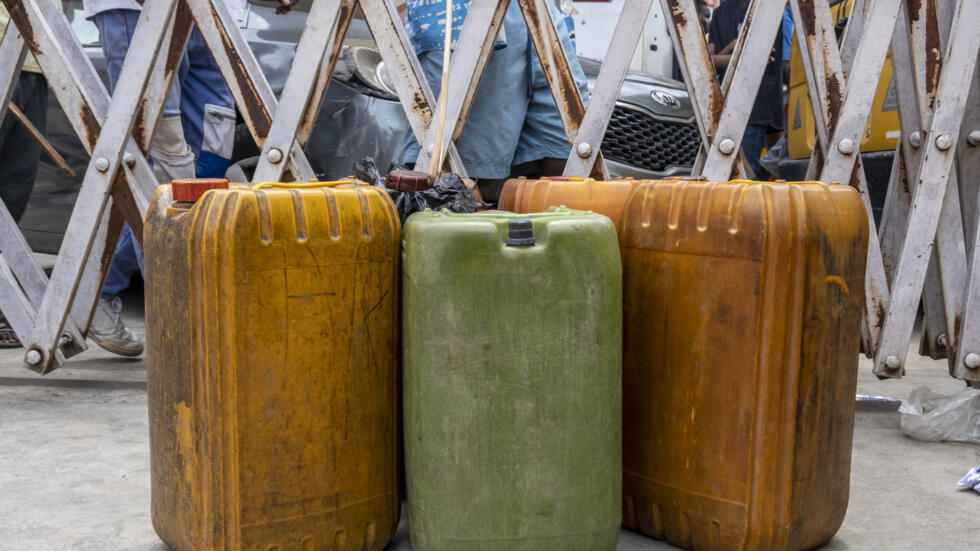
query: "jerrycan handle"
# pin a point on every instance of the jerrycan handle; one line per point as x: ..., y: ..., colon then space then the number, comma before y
x: 301, y: 185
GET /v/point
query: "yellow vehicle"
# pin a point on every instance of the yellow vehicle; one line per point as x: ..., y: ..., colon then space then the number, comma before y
x: 880, y: 135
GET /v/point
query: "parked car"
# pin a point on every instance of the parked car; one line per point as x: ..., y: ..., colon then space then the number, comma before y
x: 652, y: 132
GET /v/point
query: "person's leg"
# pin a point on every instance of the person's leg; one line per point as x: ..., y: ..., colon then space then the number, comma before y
x: 20, y: 152
x: 752, y: 143
x: 543, y: 137
x: 493, y: 126
x: 208, y: 109
x: 116, y: 28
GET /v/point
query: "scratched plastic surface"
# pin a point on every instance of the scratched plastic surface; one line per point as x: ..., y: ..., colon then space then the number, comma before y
x: 742, y: 313
x: 271, y: 329
x: 512, y: 373
x: 606, y: 197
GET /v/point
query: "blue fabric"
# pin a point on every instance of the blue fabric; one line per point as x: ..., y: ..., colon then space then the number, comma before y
x: 513, y: 119
x: 198, y: 83
x: 198, y: 80
x: 126, y: 263
x: 787, y: 32
x: 753, y: 141
x: 201, y: 84
x: 210, y: 165
x: 116, y: 28
x: 425, y: 24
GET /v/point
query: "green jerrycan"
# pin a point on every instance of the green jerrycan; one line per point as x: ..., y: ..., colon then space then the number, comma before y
x: 512, y: 331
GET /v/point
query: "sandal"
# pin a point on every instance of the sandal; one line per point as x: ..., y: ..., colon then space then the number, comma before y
x: 8, y: 339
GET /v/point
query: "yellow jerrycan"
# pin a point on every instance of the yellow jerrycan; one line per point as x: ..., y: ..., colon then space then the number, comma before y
x: 271, y: 320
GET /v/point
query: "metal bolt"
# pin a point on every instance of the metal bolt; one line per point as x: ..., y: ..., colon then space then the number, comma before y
x: 944, y: 142
x: 893, y: 363
x: 102, y: 164
x: 973, y: 138
x: 941, y: 340
x: 129, y: 159
x: 584, y: 150
x: 972, y: 360
x: 915, y: 139
x: 65, y: 340
x: 846, y: 146
x: 726, y: 146
x: 33, y: 357
x: 274, y: 155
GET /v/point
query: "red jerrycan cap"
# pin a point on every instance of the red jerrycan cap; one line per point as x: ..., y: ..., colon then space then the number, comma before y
x: 189, y: 191
x: 407, y: 180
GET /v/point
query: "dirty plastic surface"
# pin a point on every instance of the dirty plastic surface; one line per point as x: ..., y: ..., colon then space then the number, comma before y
x: 448, y: 192
x: 604, y: 197
x: 512, y: 366
x: 742, y: 312
x: 271, y: 321
x: 936, y: 417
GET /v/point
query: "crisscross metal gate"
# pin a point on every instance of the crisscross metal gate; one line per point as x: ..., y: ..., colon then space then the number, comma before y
x: 924, y: 249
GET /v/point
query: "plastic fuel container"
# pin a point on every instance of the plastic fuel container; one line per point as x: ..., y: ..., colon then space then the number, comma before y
x: 606, y: 197
x: 742, y: 321
x: 512, y: 365
x: 271, y: 316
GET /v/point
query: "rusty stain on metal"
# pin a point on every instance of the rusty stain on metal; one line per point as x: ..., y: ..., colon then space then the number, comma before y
x: 178, y: 42
x: 567, y: 93
x: 306, y: 124
x: 19, y: 17
x: 933, y: 53
x: 834, y: 96
x: 421, y: 107
x: 914, y: 8
x: 122, y: 200
x: 677, y: 14
x: 140, y: 125
x: 90, y: 124
x: 258, y: 117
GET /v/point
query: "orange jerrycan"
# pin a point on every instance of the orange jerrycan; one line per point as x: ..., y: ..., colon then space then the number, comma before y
x: 605, y: 197
x: 742, y: 322
x: 271, y: 317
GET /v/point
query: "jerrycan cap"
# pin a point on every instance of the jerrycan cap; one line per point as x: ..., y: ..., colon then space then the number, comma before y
x: 520, y: 233
x: 190, y: 190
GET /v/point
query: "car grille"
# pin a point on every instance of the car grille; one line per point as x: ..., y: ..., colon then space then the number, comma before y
x: 639, y: 140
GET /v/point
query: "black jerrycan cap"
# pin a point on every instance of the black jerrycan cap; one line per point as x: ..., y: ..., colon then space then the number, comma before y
x: 520, y: 233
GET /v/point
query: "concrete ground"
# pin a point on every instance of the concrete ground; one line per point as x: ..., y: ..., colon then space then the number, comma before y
x: 74, y: 463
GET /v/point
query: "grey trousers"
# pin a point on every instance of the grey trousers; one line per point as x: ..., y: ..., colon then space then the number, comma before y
x: 19, y: 151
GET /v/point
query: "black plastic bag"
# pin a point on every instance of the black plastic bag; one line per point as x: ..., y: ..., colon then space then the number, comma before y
x: 448, y: 192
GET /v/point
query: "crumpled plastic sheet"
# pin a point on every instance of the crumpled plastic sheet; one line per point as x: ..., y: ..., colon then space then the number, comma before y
x: 448, y: 192
x: 971, y: 481
x: 937, y: 417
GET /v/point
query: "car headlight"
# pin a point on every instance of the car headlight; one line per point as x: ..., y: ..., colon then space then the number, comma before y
x: 361, y: 67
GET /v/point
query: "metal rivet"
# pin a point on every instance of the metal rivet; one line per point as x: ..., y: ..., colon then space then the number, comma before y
x: 129, y: 159
x: 33, y: 357
x: 972, y: 360
x: 584, y: 150
x: 274, y: 155
x: 941, y: 340
x: 102, y: 164
x: 973, y: 138
x: 726, y: 146
x: 846, y: 146
x: 915, y: 139
x: 893, y: 363
x: 944, y: 142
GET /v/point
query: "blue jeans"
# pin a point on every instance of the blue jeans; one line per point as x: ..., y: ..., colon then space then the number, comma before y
x: 513, y: 119
x: 198, y: 94
x: 753, y: 141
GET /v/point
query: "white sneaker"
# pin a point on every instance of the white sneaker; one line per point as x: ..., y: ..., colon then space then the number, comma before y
x: 108, y: 331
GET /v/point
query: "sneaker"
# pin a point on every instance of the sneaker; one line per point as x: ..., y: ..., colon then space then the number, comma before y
x: 108, y: 331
